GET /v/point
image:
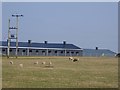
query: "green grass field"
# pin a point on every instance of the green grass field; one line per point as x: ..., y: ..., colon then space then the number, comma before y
x: 89, y: 72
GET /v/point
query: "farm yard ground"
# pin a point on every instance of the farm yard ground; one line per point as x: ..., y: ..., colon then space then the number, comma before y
x: 88, y: 72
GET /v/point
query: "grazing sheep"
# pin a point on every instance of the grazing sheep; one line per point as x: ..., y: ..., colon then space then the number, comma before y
x: 75, y: 59
x: 21, y: 65
x: 71, y: 58
x: 36, y: 62
x: 11, y: 62
x: 50, y: 63
x: 43, y: 63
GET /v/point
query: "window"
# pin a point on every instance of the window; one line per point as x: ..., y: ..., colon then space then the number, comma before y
x: 77, y: 52
x: 67, y: 52
x: 61, y: 51
x: 72, y: 52
x: 43, y: 51
x: 3, y: 50
x: 36, y: 51
x: 10, y: 50
x: 30, y: 51
x: 23, y: 50
x: 55, y: 51
x: 49, y: 51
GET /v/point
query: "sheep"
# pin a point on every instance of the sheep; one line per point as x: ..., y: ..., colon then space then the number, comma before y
x: 43, y: 63
x: 11, y: 62
x: 71, y: 58
x: 50, y: 63
x: 75, y: 59
x: 21, y: 65
x: 36, y: 62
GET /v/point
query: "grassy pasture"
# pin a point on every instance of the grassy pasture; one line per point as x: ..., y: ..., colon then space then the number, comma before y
x: 89, y: 72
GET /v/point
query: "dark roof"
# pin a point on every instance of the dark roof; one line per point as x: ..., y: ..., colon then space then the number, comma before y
x: 42, y: 45
x: 99, y: 52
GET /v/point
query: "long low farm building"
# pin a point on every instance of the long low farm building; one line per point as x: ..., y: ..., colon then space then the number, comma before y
x: 51, y: 49
x: 41, y: 49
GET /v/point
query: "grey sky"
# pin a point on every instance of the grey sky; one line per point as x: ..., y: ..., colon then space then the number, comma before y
x: 60, y: 0
x: 86, y: 25
x: 1, y: 20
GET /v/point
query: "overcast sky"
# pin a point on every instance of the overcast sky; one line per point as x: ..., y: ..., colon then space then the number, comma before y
x: 85, y: 24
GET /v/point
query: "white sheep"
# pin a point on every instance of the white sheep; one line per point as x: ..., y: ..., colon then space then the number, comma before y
x: 11, y: 62
x: 71, y: 58
x: 43, y: 63
x: 21, y: 65
x: 50, y: 63
x: 36, y: 62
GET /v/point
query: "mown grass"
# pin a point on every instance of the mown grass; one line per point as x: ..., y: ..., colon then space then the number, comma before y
x: 89, y: 72
x: 0, y: 72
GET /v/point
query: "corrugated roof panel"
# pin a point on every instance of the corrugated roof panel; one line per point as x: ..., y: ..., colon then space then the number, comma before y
x: 42, y: 45
x: 99, y: 52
